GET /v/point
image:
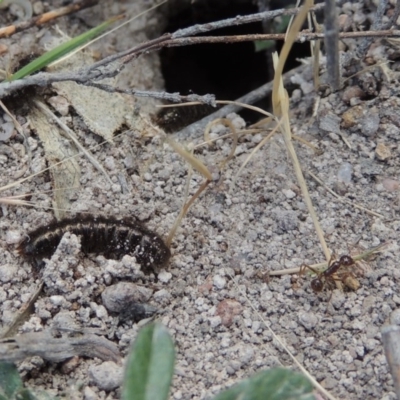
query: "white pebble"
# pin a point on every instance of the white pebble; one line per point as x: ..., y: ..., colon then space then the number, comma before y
x: 13, y: 237
x: 289, y: 194
x: 219, y: 282
x: 147, y: 177
x: 57, y: 300
x: 345, y: 172
x: 7, y: 272
x: 164, y: 276
x: 215, y: 321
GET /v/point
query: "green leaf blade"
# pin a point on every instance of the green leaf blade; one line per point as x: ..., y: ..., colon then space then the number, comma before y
x: 61, y: 50
x: 10, y: 381
x: 274, y: 384
x: 150, y: 365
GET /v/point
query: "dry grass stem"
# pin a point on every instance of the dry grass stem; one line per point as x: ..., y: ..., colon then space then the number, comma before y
x: 343, y: 199
x: 322, y: 266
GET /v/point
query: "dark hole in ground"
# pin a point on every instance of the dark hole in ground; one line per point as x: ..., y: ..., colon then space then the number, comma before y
x: 226, y: 70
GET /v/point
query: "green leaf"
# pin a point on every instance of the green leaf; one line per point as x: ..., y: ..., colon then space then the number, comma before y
x: 10, y: 381
x: 274, y: 384
x: 61, y: 50
x: 150, y: 365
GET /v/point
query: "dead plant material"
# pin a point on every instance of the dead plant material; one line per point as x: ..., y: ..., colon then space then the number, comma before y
x: 46, y: 17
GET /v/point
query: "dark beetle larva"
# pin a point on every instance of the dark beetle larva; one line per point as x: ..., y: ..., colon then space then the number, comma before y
x: 109, y: 236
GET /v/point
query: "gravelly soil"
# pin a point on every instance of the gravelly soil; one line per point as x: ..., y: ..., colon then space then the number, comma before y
x: 259, y: 225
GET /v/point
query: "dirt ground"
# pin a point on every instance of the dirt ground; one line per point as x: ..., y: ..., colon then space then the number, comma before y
x: 231, y: 238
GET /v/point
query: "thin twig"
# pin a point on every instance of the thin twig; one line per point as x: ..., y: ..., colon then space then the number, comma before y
x: 46, y: 17
x: 322, y: 266
x: 250, y: 98
x: 239, y: 20
x: 95, y: 72
x: 208, y: 99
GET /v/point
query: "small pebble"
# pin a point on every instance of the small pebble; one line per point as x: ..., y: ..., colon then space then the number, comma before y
x: 89, y: 394
x: 227, y: 309
x: 289, y: 194
x: 116, y: 297
x: 330, y: 123
x: 57, y: 300
x: 13, y: 237
x: 106, y: 376
x: 219, y: 282
x: 391, y: 185
x: 345, y: 172
x: 164, y: 276
x: 308, y: 320
x: 383, y: 152
x: 147, y: 177
x: 7, y: 272
x: 370, y: 123
x: 352, y: 92
x: 60, y: 104
x: 352, y: 116
x: 6, y: 131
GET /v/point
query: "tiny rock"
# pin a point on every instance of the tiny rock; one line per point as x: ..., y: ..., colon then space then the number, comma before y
x: 227, y: 310
x: 383, y: 152
x: 106, y: 376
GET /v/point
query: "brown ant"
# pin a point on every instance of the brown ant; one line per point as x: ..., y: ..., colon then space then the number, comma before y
x: 331, y: 275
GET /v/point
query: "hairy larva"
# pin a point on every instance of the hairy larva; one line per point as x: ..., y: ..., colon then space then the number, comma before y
x: 109, y: 236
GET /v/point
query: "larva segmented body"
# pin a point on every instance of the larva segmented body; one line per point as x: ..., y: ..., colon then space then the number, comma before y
x: 109, y: 236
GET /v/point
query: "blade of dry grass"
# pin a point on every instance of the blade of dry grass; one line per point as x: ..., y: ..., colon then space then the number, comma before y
x: 190, y: 158
x: 280, y: 102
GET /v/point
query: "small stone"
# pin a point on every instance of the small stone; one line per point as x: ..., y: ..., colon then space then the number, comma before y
x: 164, y: 276
x: 308, y: 320
x: 121, y: 295
x: 227, y: 310
x: 13, y: 237
x: 38, y: 7
x: 289, y: 194
x: 383, y: 152
x: 6, y: 131
x: 70, y: 365
x: 60, y: 104
x: 57, y: 300
x: 89, y: 394
x: 352, y: 92
x: 391, y: 185
x: 109, y: 163
x: 7, y: 272
x: 345, y: 172
x: 215, y: 321
x: 352, y: 116
x: 370, y: 122
x: 330, y: 123
x: 106, y: 376
x: 147, y: 177
x: 219, y: 282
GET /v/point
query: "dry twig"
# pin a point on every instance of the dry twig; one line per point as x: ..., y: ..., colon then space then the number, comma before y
x: 46, y: 17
